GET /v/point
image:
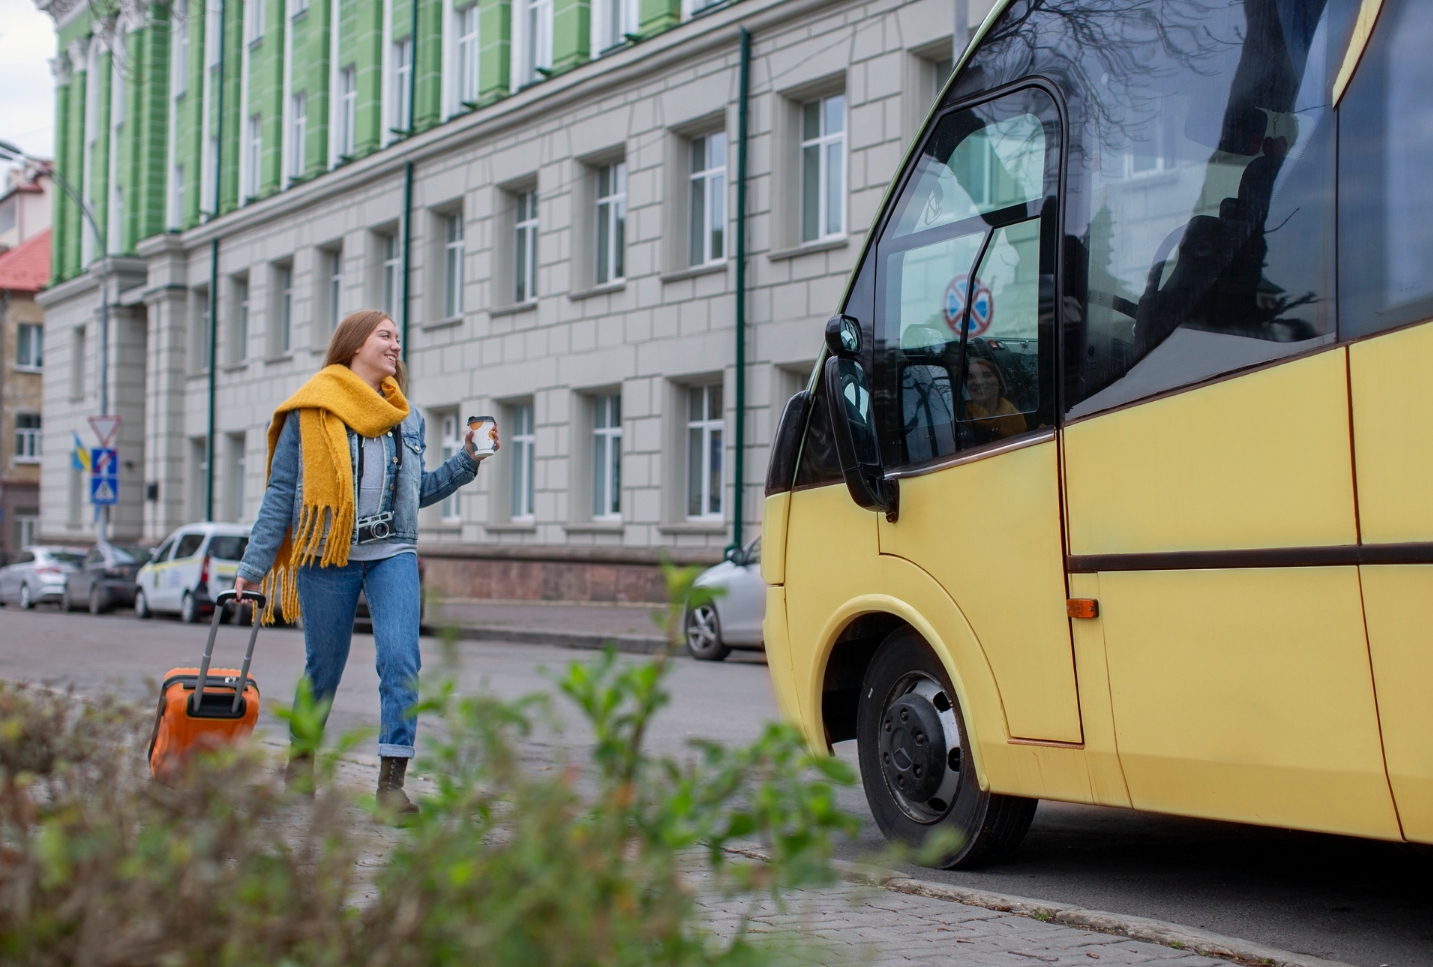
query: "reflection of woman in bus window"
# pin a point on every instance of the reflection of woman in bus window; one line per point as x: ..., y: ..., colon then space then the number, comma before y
x: 994, y: 416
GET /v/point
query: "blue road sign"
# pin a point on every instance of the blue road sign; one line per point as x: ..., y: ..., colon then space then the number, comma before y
x: 104, y: 490
x: 104, y: 476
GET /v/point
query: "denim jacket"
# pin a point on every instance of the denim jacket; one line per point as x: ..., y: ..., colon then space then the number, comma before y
x: 417, y: 488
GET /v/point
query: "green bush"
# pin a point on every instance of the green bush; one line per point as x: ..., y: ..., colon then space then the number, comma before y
x: 510, y: 862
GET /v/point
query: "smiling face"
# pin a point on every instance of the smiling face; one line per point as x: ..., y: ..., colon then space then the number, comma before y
x: 983, y: 384
x: 378, y: 357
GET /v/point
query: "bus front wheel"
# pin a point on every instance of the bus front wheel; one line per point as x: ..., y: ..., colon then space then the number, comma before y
x: 919, y: 780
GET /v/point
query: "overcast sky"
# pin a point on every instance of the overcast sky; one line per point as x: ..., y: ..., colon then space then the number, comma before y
x: 27, y: 89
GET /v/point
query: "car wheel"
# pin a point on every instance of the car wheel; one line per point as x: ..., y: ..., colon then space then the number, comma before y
x: 189, y: 609
x: 26, y: 601
x: 702, y: 630
x: 98, y: 604
x: 911, y: 742
x: 67, y: 603
x: 141, y: 606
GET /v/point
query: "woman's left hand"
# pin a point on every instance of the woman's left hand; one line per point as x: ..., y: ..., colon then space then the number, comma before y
x: 473, y: 450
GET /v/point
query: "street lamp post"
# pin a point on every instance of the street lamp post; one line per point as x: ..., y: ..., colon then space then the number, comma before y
x: 11, y: 152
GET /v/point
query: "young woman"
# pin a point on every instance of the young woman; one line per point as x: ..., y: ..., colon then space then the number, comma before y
x: 340, y: 514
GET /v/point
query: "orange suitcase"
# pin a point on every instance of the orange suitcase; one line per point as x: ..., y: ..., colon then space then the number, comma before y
x: 203, y: 708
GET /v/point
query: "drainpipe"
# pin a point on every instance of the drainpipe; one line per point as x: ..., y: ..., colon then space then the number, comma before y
x: 217, y: 109
x: 407, y: 242
x: 743, y: 97
x: 412, y: 76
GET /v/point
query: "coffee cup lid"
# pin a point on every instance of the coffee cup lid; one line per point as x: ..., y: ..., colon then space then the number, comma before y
x: 480, y: 419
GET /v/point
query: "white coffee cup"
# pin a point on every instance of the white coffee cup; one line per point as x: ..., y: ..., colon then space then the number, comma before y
x: 485, y: 432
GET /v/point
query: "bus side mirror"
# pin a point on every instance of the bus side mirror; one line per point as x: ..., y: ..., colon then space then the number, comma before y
x: 843, y: 337
x: 848, y: 396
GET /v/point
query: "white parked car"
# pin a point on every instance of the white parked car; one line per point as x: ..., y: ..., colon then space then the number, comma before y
x: 37, y: 574
x: 187, y: 572
x: 733, y: 620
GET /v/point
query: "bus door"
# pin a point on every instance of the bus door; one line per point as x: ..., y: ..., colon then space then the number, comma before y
x: 1209, y: 478
x: 963, y: 388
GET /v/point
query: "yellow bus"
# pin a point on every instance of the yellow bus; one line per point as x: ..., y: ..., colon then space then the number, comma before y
x: 1114, y: 481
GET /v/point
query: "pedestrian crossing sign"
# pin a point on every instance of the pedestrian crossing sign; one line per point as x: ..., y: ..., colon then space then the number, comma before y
x: 104, y: 490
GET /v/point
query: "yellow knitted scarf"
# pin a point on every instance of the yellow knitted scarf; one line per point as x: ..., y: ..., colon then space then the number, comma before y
x: 330, y: 403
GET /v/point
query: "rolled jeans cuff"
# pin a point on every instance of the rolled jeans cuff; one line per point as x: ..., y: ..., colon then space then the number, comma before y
x: 395, y: 751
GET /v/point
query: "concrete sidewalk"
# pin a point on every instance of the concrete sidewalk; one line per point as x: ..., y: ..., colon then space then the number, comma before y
x: 630, y: 627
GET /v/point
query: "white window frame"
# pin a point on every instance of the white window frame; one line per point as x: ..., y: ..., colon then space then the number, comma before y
x: 823, y: 144
x: 607, y: 457
x: 402, y: 77
x: 450, y: 441
x: 29, y: 440
x: 285, y: 321
x: 453, y: 265
x: 241, y: 319
x: 334, y: 265
x: 707, y: 193
x: 705, y: 430
x: 26, y: 527
x: 253, y: 21
x: 176, y: 196
x: 467, y: 47
x: 537, y: 40
x: 32, y: 361
x: 525, y: 247
x: 179, y: 59
x: 610, y: 220
x: 297, y: 7
x: 298, y: 135
x: 523, y: 441
x: 392, y: 274
x: 253, y: 155
x: 614, y: 20
x: 347, y: 113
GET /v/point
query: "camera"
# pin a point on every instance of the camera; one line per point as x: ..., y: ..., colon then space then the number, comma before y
x: 379, y: 527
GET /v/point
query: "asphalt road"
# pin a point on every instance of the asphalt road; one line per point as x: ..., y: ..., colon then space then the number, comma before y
x: 1344, y: 899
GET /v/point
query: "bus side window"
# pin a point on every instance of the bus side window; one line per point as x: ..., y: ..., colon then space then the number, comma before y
x: 1201, y: 211
x: 819, y: 464
x: 1385, y: 190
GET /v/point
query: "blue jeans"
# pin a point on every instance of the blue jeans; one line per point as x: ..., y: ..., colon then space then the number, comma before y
x: 329, y: 598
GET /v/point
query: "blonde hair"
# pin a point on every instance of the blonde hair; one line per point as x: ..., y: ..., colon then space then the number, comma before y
x: 350, y: 335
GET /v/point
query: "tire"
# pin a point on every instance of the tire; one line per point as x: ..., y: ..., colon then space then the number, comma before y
x: 98, y: 604
x: 701, y: 628
x: 911, y: 742
x: 141, y: 606
x: 189, y: 609
x: 66, y: 602
x: 26, y: 601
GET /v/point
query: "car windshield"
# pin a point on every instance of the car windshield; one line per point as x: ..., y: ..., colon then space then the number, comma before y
x: 131, y: 555
x: 64, y: 557
x: 228, y: 547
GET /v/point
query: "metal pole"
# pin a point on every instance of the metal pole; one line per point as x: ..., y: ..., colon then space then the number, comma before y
x: 407, y: 246
x: 743, y: 97
x: 412, y: 79
x: 217, y: 109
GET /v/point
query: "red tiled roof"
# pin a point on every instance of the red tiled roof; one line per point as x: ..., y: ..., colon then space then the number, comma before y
x: 26, y: 267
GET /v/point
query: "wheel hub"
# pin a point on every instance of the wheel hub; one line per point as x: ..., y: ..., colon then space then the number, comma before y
x: 912, y: 746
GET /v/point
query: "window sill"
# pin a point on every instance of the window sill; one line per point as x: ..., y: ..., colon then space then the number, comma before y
x: 603, y: 289
x: 235, y: 367
x: 38, y: 370
x: 26, y: 461
x: 806, y: 249
x: 513, y: 309
x: 595, y: 527
x: 440, y: 323
x: 696, y: 270
x: 512, y: 527
x: 279, y: 358
x: 694, y: 527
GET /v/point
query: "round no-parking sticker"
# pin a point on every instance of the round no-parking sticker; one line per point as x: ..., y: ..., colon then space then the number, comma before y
x: 982, y: 308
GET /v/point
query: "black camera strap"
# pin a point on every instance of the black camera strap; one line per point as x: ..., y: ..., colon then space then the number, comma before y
x: 397, y: 459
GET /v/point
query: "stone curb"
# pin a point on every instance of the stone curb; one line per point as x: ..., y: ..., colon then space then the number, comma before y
x: 631, y: 644
x: 1136, y: 928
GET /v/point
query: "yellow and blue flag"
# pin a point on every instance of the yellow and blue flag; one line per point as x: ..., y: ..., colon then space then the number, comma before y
x: 81, y: 457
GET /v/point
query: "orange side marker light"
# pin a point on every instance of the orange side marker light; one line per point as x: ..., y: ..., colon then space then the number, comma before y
x: 1082, y: 608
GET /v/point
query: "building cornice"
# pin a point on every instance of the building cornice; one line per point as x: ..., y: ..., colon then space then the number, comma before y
x: 591, y: 80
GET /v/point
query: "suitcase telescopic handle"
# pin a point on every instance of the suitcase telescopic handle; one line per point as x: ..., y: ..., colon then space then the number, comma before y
x: 224, y: 598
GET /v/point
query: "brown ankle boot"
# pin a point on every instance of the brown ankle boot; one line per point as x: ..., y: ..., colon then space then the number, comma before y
x: 391, y: 796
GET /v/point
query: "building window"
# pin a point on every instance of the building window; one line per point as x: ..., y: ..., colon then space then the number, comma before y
x: 453, y: 266
x: 241, y: 319
x: 708, y: 194
x: 522, y: 444
x: 525, y: 262
x: 619, y: 21
x: 27, y: 525
x: 823, y: 168
x: 297, y: 7
x: 77, y: 363
x: 286, y: 309
x: 179, y: 63
x: 238, y: 469
x: 211, y: 33
x: 450, y: 442
x: 392, y: 275
x: 27, y: 438
x: 298, y: 136
x: 115, y: 229
x: 253, y: 154
x: 347, y: 111
x: 402, y: 78
x: 253, y: 20
x: 704, y: 451
x: 176, y: 197
x: 607, y: 457
x: 334, y: 260
x: 611, y: 221
x: 30, y: 347
x: 538, y: 57
x: 468, y: 55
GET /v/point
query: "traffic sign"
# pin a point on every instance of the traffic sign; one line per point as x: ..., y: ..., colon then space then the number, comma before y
x: 105, y: 427
x: 104, y: 462
x: 104, y: 490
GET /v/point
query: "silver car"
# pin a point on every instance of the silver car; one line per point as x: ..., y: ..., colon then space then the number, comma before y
x: 733, y: 620
x: 37, y: 574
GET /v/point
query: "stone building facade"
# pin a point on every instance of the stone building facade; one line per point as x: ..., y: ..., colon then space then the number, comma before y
x: 24, y: 271
x: 549, y: 213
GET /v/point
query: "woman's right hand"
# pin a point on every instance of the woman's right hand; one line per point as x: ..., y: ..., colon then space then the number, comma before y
x: 240, y: 586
